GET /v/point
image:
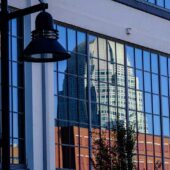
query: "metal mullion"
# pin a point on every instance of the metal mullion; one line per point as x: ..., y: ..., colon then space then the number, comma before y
x: 68, y: 117
x: 116, y: 85
x: 144, y: 109
x: 107, y: 72
x: 126, y: 87
x: 99, y: 87
x: 153, y: 131
x: 137, y: 130
x: 161, y: 118
x: 89, y: 103
x: 77, y: 101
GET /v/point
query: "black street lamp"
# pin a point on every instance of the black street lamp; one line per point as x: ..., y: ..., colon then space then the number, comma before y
x: 44, y: 41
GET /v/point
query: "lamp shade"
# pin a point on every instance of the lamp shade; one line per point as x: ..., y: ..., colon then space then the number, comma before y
x: 44, y: 41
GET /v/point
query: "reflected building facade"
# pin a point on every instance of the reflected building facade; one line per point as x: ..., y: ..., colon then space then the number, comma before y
x: 102, y: 82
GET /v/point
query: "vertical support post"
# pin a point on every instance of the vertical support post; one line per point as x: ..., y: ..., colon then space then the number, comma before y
x: 5, y: 88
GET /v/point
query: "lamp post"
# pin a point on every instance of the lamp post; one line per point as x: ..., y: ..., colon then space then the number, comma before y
x: 44, y: 40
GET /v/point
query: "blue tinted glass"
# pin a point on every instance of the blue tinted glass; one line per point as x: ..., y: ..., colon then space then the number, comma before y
x: 156, y: 105
x: 62, y: 84
x: 138, y: 58
x: 130, y: 56
x: 167, y: 4
x: 149, y: 127
x: 147, y: 81
x: 165, y: 106
x: 62, y: 111
x: 14, y: 27
x: 139, y: 80
x: 81, y: 42
x: 160, y: 3
x: 111, y: 51
x: 146, y: 60
x: 15, y: 125
x: 62, y: 66
x: 14, y: 74
x: 92, y: 46
x: 83, y: 113
x: 163, y: 65
x: 71, y: 64
x: 62, y: 35
x: 72, y: 91
x: 166, y: 127
x: 152, y: 1
x: 15, y: 100
x: 14, y: 49
x: 157, y: 128
x: 73, y: 112
x: 148, y: 105
x: 155, y: 84
x: 154, y: 60
x: 164, y: 86
x: 71, y: 40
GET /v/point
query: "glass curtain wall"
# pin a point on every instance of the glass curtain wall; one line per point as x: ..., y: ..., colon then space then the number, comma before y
x: 161, y: 3
x: 105, y: 80
x: 16, y: 89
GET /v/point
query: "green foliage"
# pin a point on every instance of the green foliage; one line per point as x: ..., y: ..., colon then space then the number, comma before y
x: 116, y: 153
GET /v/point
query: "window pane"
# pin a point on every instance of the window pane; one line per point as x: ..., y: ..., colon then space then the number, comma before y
x: 166, y: 127
x: 92, y: 43
x: 164, y: 86
x: 148, y: 105
x: 102, y: 49
x: 155, y: 84
x: 62, y: 35
x: 167, y: 4
x: 157, y: 127
x: 72, y: 91
x: 165, y: 106
x: 149, y: 126
x: 111, y: 51
x: 120, y: 53
x: 130, y: 56
x: 147, y: 81
x: 121, y: 97
x: 154, y: 60
x: 139, y: 80
x: 131, y: 77
x: 156, y: 105
x: 146, y: 60
x: 132, y: 99
x: 120, y: 75
x: 81, y: 42
x: 71, y: 40
x: 140, y: 101
x: 163, y: 65
x: 141, y: 122
x: 138, y: 58
x: 160, y: 3
x: 62, y: 66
